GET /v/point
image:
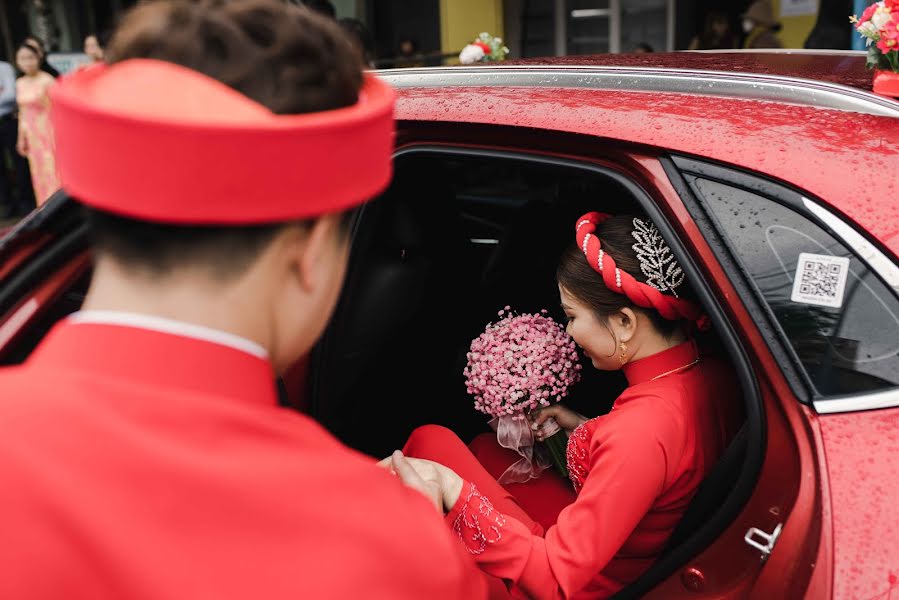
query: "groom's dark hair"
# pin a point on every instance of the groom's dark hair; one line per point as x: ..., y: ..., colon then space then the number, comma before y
x: 285, y: 57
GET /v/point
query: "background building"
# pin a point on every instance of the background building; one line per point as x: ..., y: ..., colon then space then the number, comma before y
x: 433, y: 31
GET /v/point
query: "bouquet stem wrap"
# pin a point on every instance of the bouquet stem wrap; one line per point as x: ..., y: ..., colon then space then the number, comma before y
x: 556, y: 443
x: 514, y: 432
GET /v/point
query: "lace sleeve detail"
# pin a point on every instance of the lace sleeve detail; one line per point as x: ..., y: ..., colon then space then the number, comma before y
x: 478, y: 524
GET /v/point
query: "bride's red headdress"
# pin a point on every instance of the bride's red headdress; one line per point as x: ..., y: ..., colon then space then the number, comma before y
x: 155, y: 141
x: 657, y: 263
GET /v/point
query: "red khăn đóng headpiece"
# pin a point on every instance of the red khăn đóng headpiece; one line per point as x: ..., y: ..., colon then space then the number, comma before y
x: 155, y: 141
x: 656, y: 262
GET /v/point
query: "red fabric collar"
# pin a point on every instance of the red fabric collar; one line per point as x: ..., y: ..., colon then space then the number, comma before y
x: 158, y: 360
x: 154, y: 141
x: 647, y: 368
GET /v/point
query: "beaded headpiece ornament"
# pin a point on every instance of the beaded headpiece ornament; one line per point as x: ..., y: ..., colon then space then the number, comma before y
x: 657, y: 263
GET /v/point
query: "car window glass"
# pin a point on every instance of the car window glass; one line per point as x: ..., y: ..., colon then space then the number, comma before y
x: 841, y: 320
x: 454, y: 239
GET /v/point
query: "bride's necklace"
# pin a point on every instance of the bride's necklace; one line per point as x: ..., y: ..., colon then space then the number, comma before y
x: 675, y: 370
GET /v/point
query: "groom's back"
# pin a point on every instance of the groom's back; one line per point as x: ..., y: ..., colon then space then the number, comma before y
x: 193, y: 484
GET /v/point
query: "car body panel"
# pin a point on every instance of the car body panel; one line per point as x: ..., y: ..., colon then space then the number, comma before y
x: 728, y: 567
x: 849, y: 160
x: 863, y: 468
x: 17, y: 320
x: 12, y: 258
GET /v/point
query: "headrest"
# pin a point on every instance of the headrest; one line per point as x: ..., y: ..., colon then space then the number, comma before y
x: 154, y: 141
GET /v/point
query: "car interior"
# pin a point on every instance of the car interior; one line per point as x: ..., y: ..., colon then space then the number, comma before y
x: 458, y: 236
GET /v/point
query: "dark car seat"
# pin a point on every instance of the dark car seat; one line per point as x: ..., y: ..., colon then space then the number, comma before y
x: 389, y: 355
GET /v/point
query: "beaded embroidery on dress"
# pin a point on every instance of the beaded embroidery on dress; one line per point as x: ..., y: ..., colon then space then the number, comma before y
x: 578, y: 453
x: 468, y: 524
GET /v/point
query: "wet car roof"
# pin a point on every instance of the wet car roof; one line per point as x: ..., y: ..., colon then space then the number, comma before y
x: 844, y: 68
x: 846, y: 158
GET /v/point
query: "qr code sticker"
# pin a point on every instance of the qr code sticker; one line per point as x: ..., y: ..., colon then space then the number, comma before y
x: 820, y: 279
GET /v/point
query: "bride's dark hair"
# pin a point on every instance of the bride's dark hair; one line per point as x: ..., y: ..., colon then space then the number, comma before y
x: 581, y: 281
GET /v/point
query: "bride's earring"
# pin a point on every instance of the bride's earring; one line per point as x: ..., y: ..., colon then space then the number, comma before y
x: 623, y: 355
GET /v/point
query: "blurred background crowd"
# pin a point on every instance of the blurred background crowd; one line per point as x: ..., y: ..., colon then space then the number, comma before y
x: 42, y: 38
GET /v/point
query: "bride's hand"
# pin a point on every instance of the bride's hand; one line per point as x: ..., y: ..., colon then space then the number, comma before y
x: 564, y: 416
x: 439, y: 484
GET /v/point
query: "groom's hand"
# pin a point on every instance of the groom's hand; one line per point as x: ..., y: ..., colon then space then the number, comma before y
x: 440, y: 484
x: 429, y: 487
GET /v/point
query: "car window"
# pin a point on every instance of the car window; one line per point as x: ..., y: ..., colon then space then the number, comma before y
x: 840, y: 319
x: 455, y: 238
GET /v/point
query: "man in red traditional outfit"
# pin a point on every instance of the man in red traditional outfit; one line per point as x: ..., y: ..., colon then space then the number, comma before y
x: 142, y: 450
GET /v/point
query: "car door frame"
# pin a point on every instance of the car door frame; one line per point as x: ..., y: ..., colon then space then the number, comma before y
x: 710, y: 571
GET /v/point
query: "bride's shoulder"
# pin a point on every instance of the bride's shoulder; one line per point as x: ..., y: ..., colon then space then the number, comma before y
x: 652, y: 411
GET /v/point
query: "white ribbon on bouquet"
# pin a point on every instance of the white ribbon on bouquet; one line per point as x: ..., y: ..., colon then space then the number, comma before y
x: 514, y: 432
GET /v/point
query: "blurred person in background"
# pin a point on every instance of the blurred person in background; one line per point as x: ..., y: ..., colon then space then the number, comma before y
x: 716, y: 35
x: 408, y: 54
x: 15, y: 200
x: 35, y: 135
x: 362, y: 38
x: 643, y: 48
x: 93, y: 48
x: 760, y: 26
x: 38, y: 45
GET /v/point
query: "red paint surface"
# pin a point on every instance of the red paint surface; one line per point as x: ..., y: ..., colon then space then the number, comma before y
x: 863, y: 466
x: 850, y: 160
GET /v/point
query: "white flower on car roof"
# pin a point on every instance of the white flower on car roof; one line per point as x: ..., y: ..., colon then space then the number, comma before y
x: 881, y: 17
x: 471, y: 54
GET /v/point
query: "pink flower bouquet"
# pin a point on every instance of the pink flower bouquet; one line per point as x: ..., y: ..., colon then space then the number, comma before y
x: 521, y: 363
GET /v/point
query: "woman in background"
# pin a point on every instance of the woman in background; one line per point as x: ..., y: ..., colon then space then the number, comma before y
x: 760, y: 26
x: 37, y: 44
x: 716, y: 35
x: 93, y: 48
x: 35, y: 138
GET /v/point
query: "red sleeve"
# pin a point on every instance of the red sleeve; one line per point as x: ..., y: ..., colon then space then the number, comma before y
x: 629, y: 463
x: 453, y: 574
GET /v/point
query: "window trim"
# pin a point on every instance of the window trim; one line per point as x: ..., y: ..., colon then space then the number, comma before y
x: 858, y: 402
x: 677, y: 168
x: 863, y: 247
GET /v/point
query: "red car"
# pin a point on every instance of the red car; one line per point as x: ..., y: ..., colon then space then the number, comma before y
x: 775, y: 179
